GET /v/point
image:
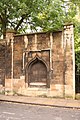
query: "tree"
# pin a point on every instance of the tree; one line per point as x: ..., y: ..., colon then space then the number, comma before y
x: 77, y: 43
x: 33, y: 14
x: 72, y: 15
x: 52, y: 17
x: 14, y: 13
x: 77, y: 32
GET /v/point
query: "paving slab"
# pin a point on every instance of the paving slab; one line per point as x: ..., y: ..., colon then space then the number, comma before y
x: 54, y: 102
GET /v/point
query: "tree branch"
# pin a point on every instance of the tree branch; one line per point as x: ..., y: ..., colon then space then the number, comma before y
x: 19, y: 23
x: 1, y: 18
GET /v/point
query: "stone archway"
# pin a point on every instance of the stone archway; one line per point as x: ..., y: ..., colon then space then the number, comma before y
x: 37, y: 75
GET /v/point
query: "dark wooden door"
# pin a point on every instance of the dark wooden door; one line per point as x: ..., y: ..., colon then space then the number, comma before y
x: 37, y: 72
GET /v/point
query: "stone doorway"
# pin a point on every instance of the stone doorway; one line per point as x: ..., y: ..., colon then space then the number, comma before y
x: 37, y: 75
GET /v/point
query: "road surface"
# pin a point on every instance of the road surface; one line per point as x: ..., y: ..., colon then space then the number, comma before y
x: 15, y: 111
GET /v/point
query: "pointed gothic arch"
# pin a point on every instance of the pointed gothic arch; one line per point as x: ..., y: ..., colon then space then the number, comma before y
x: 37, y: 72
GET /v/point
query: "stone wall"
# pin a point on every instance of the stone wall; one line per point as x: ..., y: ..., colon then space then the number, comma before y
x: 41, y: 64
x: 2, y: 65
x: 18, y: 47
x: 2, y: 61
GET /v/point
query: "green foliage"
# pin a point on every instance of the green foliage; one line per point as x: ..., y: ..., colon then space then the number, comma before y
x: 18, y: 13
x: 77, y: 42
x: 52, y: 17
x: 73, y: 15
x: 47, y: 15
x: 21, y: 15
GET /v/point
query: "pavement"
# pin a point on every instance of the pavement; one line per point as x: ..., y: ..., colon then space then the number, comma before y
x: 53, y: 102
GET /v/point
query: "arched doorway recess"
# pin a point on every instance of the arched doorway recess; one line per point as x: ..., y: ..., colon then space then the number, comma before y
x: 37, y: 73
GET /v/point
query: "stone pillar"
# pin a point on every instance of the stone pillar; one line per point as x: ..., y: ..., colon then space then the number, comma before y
x: 9, y: 35
x: 51, y: 45
x: 10, y: 42
x: 69, y: 59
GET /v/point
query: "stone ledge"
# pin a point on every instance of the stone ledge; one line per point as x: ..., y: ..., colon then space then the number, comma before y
x: 37, y: 83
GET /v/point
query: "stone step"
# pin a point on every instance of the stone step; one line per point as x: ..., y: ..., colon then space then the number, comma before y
x: 38, y: 84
